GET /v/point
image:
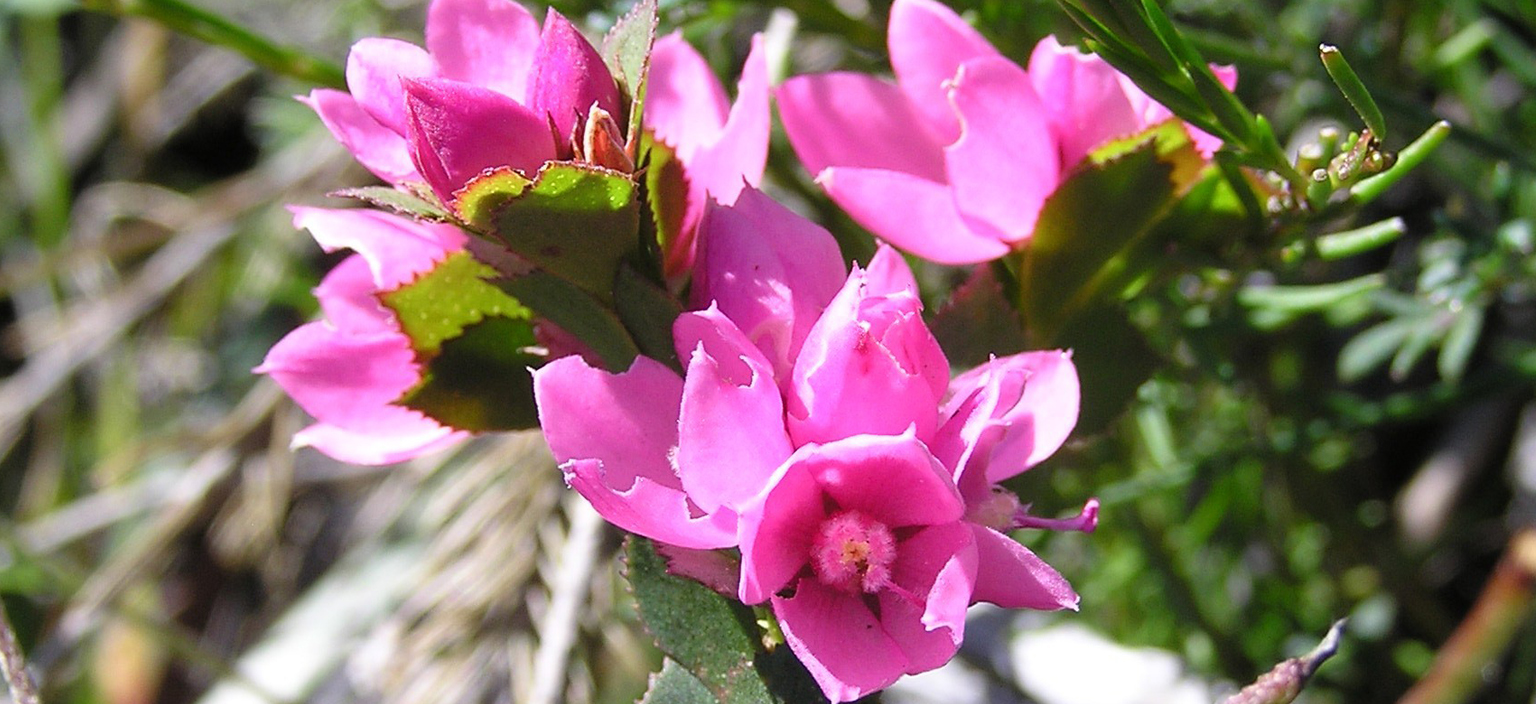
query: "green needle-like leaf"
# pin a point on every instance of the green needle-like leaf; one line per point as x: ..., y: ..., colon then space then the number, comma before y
x: 1354, y: 91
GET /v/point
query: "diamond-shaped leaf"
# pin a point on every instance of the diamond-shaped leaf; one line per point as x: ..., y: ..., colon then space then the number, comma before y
x: 470, y: 338
x: 977, y: 321
x: 480, y: 380
x: 714, y: 638
x: 399, y: 202
x: 1100, y: 210
x: 666, y: 191
x: 627, y: 51
x: 576, y: 221
x: 578, y: 313
x: 675, y: 685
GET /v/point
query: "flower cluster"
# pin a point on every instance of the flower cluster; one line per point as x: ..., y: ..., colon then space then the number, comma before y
x: 817, y: 429
x: 954, y: 162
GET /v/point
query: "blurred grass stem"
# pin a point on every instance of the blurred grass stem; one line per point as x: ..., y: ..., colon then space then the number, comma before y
x: 215, y: 29
x: 14, y: 664
x: 1503, y: 608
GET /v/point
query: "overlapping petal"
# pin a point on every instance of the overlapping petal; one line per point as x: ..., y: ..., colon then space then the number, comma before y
x: 459, y: 130
x: 490, y: 43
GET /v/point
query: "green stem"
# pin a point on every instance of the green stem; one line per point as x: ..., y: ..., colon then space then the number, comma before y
x: 220, y: 31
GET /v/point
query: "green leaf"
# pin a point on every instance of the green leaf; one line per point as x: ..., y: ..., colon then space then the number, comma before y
x: 399, y: 202
x: 578, y: 313
x: 711, y: 636
x: 648, y: 312
x: 1459, y: 342
x: 1354, y: 91
x: 675, y: 685
x: 471, y: 339
x: 977, y: 322
x: 576, y: 221
x: 480, y: 380
x: 666, y: 191
x: 441, y: 303
x: 1103, y: 340
x: 1101, y: 209
x: 1373, y: 346
x: 627, y: 51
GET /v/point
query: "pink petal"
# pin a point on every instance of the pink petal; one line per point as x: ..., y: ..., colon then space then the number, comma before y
x: 459, y: 130
x: 349, y: 383
x: 776, y: 530
x: 490, y: 43
x: 938, y: 563
x: 397, y: 249
x: 914, y: 214
x: 350, y: 302
x: 731, y: 426
x: 627, y: 422
x: 737, y: 155
x: 928, y: 43
x: 1085, y: 97
x: 923, y: 648
x: 1005, y: 164
x: 869, y: 365
x: 652, y: 509
x: 684, y: 103
x: 852, y: 120
x: 1031, y: 400
x: 404, y: 443
x: 892, y: 479
x: 378, y: 148
x: 888, y: 274
x: 769, y: 270
x: 1012, y: 577
x: 374, y: 71
x: 839, y: 641
x: 569, y: 76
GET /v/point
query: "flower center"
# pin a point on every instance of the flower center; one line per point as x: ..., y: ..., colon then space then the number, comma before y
x: 853, y: 552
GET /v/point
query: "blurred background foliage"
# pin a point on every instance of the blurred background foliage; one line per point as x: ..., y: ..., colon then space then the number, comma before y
x: 1323, y: 438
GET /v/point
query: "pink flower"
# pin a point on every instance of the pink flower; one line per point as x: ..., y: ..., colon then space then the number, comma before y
x: 954, y: 162
x: 491, y: 90
x: 348, y: 369
x: 722, y: 146
x: 817, y: 429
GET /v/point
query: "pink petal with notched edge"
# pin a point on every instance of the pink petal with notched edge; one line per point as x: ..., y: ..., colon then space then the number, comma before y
x: 349, y: 383
x: 1012, y: 577
x: 928, y: 43
x: 569, y: 76
x: 892, y: 479
x: 869, y: 365
x: 1034, y: 399
x: 739, y: 152
x: 490, y: 43
x: 769, y: 270
x: 399, y: 445
x: 649, y: 508
x: 459, y: 130
x: 914, y: 214
x: 349, y: 299
x: 731, y: 426
x: 1005, y: 163
x: 627, y: 421
x: 614, y: 435
x: 375, y: 68
x: 888, y: 274
x: 397, y: 249
x: 853, y: 120
x: 1085, y: 97
x: 684, y: 103
x: 839, y: 641
x: 776, y: 530
x: 378, y: 148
